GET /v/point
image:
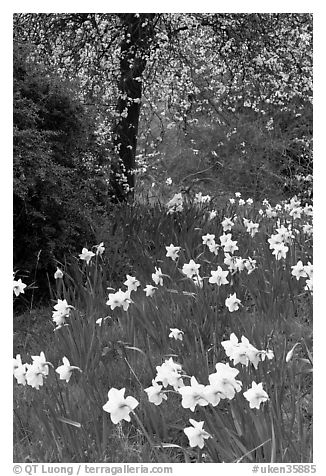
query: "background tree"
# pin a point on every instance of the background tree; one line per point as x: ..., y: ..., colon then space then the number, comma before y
x: 221, y: 72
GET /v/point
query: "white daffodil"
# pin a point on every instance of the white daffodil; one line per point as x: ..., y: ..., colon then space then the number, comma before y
x: 58, y: 274
x: 86, y: 255
x: 37, y: 371
x: 155, y: 393
x: 119, y: 299
x: 212, y: 215
x: 100, y: 249
x: 65, y: 370
x: 132, y: 283
x: 227, y: 224
x: 198, y: 280
x: 193, y: 395
x: 19, y: 287
x: 218, y: 277
x: 255, y: 395
x: 149, y: 290
x: 280, y: 251
x: 208, y: 240
x: 176, y: 334
x: 172, y: 252
x: 118, y: 406
x: 232, y: 302
x: 252, y: 228
x: 298, y: 270
x: 214, y: 248
x: 157, y: 277
x: 190, y: 269
x: 230, y: 246
x: 223, y: 380
x: 250, y: 265
x: 225, y: 238
x: 19, y: 370
x: 169, y: 374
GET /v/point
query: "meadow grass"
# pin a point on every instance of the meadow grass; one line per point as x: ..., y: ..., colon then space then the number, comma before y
x: 65, y: 421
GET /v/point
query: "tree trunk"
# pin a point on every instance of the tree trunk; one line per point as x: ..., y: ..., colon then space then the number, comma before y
x: 138, y: 33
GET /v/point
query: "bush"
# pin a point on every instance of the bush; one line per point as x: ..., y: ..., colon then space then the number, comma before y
x: 60, y: 185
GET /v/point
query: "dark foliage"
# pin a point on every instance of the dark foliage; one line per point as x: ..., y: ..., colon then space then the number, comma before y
x: 60, y: 186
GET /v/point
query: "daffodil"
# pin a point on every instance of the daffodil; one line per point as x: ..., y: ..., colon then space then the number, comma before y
x: 175, y: 204
x: 176, y: 334
x: 298, y: 270
x: 227, y: 224
x: 41, y: 362
x: 308, y: 210
x: 169, y: 374
x: 172, y: 252
x: 149, y: 290
x: 213, y: 394
x: 214, y: 248
x: 118, y: 406
x: 290, y: 354
x: 59, y: 319
x: 232, y: 302
x: 280, y: 251
x: 19, y: 370
x: 225, y: 238
x: 193, y: 395
x: 132, y: 283
x: 58, y: 274
x: 157, y: 277
x: 119, y: 299
x: 230, y: 246
x: 86, y: 255
x: 190, y: 269
x: 250, y: 265
x: 241, y: 352
x: 100, y: 249
x: 19, y: 287
x: 223, y: 380
x: 198, y: 280
x: 255, y: 395
x: 200, y: 198
x: 240, y: 264
x: 208, y: 239
x: 307, y: 229
x: 252, y: 228
x: 34, y: 376
x: 309, y: 285
x: 37, y: 371
x: 155, y: 393
x: 63, y: 307
x: 284, y: 234
x: 230, y: 262
x: 62, y: 310
x: 270, y: 212
x: 296, y: 213
x: 218, y: 277
x: 65, y: 370
x: 309, y: 269
x: 212, y: 214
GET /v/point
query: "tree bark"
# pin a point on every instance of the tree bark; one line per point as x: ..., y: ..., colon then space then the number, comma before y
x: 137, y: 36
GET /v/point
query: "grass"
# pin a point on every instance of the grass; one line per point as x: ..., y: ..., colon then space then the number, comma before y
x: 64, y: 422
